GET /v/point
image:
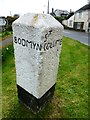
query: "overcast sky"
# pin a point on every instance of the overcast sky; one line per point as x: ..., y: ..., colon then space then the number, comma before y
x: 11, y: 7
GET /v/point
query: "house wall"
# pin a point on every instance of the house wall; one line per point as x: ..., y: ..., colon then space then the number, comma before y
x: 65, y: 22
x: 87, y: 29
x: 71, y: 22
x: 79, y: 21
x: 82, y: 17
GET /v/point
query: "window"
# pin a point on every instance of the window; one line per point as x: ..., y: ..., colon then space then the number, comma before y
x: 70, y: 23
x: 80, y: 15
x: 78, y: 25
x: 89, y: 24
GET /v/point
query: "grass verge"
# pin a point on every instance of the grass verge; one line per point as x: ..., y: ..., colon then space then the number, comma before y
x: 5, y: 35
x: 71, y: 94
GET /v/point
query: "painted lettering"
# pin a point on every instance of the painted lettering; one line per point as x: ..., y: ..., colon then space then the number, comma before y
x: 15, y: 39
x: 50, y: 45
x: 45, y: 46
x: 30, y: 42
x: 19, y: 41
x: 40, y: 47
x: 47, y: 35
x: 23, y: 42
x: 34, y: 44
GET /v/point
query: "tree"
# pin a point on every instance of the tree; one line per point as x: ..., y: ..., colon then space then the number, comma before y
x: 60, y: 19
x: 10, y: 20
x: 16, y: 16
x: 70, y: 14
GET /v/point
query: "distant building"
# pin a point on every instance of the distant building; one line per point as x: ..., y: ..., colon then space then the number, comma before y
x: 80, y: 20
x: 69, y: 23
x: 2, y: 23
x: 59, y: 13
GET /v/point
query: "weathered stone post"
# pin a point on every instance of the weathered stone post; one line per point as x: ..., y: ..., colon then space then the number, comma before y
x: 37, y: 42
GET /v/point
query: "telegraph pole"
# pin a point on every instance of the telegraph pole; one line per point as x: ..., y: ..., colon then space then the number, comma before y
x: 10, y: 13
x: 48, y: 8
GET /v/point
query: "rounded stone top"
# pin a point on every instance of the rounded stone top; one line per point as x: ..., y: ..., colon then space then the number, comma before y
x: 38, y: 21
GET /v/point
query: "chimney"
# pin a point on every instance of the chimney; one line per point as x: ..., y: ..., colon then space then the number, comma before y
x: 52, y: 10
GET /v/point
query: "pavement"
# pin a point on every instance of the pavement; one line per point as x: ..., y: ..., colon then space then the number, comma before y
x: 79, y: 36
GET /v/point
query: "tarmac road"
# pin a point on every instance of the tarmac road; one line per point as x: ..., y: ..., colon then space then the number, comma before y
x: 80, y: 36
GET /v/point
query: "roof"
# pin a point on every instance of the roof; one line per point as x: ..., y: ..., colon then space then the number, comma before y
x: 61, y: 11
x: 86, y: 7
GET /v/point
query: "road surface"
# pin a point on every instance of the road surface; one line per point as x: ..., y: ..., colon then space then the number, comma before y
x: 80, y: 36
x: 6, y: 41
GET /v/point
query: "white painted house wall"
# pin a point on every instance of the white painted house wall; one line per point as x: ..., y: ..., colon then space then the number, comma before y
x: 65, y: 22
x: 83, y: 16
x: 69, y: 23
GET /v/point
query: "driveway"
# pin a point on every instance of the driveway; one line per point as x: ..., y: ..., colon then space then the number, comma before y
x: 80, y: 36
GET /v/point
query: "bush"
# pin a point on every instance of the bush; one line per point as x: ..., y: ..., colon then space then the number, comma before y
x: 60, y: 19
x: 10, y: 20
x: 5, y: 33
x: 9, y: 28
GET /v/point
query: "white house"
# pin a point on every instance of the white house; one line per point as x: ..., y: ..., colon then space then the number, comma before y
x: 2, y: 23
x: 80, y: 20
x: 70, y: 22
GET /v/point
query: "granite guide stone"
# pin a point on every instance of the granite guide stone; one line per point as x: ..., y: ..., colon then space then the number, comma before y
x: 37, y: 42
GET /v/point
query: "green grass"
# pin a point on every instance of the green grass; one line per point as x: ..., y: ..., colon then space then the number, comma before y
x: 5, y: 34
x: 70, y: 99
x: 0, y: 85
